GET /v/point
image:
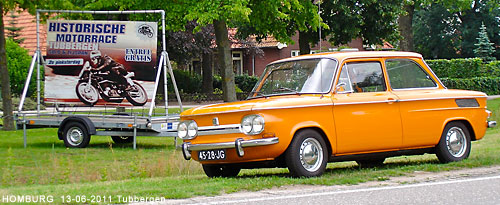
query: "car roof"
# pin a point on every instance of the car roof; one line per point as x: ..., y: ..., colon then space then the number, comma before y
x: 354, y: 54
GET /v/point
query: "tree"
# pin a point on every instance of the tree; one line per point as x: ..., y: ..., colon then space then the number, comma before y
x: 446, y: 30
x: 6, y: 6
x: 255, y: 13
x: 484, y: 48
x: 436, y: 32
x: 405, y: 20
x: 373, y: 21
x: 186, y: 45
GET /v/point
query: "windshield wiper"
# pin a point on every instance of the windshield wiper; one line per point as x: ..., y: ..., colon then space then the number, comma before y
x: 285, y: 89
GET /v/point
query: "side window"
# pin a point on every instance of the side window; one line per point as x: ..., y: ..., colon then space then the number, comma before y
x: 405, y: 73
x: 362, y: 77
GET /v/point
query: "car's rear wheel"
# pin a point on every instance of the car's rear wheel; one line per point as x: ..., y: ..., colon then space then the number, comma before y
x: 307, y: 155
x: 455, y: 143
x: 215, y: 170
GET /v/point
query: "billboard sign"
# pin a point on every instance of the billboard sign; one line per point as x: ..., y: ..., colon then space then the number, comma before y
x: 100, y: 62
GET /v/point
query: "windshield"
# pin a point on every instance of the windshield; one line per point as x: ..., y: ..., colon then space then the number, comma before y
x: 293, y: 77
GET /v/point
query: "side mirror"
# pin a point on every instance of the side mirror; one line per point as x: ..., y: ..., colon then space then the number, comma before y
x: 340, y: 87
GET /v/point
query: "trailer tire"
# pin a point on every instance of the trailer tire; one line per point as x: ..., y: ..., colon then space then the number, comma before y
x: 76, y: 135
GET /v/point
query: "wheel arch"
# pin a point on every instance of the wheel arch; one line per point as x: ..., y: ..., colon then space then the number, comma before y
x: 321, y: 132
x: 85, y: 121
x: 466, y: 123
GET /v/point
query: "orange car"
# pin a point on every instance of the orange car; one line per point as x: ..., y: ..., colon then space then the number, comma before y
x: 309, y: 110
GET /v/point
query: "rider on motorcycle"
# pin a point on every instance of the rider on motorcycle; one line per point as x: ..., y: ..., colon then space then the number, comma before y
x: 116, y: 70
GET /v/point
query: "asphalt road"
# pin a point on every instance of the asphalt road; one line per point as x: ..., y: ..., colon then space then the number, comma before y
x: 472, y: 186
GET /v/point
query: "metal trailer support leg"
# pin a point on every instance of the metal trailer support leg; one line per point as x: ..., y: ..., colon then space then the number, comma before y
x: 135, y: 131
x: 25, y: 139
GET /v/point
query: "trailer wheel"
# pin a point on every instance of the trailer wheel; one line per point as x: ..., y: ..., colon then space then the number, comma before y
x: 122, y: 139
x: 76, y: 135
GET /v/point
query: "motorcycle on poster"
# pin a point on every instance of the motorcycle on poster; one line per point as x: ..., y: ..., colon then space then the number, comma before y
x: 100, y: 62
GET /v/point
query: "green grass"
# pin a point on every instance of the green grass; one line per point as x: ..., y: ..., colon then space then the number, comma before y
x: 46, y: 167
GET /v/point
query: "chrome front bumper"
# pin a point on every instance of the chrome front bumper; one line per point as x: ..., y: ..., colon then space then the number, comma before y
x: 238, y: 144
x: 492, y: 124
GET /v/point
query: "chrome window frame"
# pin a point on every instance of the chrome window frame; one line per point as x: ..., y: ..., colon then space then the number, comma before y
x: 352, y: 89
x: 421, y: 68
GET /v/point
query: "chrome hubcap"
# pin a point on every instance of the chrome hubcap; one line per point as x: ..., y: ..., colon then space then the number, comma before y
x: 456, y: 142
x: 311, y: 154
x: 75, y: 136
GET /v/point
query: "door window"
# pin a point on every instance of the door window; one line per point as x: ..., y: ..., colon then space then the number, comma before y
x: 360, y: 77
x: 405, y: 73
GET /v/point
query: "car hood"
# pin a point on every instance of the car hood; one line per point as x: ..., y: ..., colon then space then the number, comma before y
x: 273, y: 102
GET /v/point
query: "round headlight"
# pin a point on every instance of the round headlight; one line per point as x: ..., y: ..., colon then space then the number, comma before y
x: 257, y: 125
x: 182, y: 130
x: 192, y: 130
x: 252, y: 124
x: 246, y: 124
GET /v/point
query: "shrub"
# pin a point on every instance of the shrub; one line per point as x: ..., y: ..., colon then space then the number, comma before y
x: 18, y: 64
x: 489, y: 85
x: 29, y: 104
x: 458, y: 68
x: 245, y: 82
x: 186, y: 82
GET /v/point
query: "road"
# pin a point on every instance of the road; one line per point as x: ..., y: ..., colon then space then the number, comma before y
x: 468, y: 186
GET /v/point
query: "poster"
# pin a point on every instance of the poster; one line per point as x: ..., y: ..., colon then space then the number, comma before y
x: 100, y: 62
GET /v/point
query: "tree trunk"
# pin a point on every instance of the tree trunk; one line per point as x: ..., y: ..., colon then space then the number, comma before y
x: 206, y: 65
x: 304, y: 46
x: 406, y: 28
x: 8, y: 117
x: 225, y: 61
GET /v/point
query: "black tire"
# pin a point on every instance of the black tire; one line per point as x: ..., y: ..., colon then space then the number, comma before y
x: 76, y: 135
x: 370, y: 163
x: 215, y: 170
x: 305, y: 143
x: 90, y: 95
x: 122, y: 139
x: 455, y: 143
x: 137, y: 96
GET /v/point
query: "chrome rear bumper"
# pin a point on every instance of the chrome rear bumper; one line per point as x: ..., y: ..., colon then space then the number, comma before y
x: 492, y: 124
x: 238, y: 144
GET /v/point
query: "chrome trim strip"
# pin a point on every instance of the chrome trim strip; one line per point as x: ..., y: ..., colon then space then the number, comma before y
x: 450, y: 108
x: 231, y: 126
x: 229, y: 145
x: 219, y: 132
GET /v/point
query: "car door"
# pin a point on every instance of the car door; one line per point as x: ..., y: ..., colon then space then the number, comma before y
x: 366, y: 114
x: 423, y: 108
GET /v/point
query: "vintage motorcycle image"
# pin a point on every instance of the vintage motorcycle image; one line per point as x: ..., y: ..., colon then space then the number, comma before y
x: 93, y: 83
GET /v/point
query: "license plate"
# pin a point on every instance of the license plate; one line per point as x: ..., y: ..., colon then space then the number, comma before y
x: 216, y: 154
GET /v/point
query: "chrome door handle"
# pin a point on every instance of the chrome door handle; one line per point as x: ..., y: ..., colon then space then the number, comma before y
x: 391, y: 100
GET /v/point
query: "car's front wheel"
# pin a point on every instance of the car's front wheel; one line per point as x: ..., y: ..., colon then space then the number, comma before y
x: 215, y: 170
x: 455, y: 143
x: 307, y: 155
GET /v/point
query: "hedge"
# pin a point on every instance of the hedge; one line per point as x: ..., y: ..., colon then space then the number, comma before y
x: 489, y: 85
x: 464, y: 68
